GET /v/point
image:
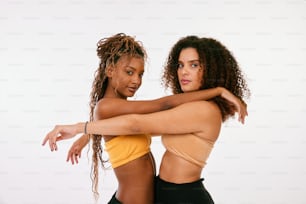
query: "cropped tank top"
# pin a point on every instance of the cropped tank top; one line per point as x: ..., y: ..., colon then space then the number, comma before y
x: 125, y: 148
x: 189, y: 147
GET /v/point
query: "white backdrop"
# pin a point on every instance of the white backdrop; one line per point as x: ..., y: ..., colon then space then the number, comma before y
x: 47, y: 62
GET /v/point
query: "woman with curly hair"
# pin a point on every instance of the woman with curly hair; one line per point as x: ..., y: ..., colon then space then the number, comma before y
x: 195, y: 63
x: 188, y: 130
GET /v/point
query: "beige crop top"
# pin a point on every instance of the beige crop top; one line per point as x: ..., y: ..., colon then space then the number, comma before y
x: 190, y: 147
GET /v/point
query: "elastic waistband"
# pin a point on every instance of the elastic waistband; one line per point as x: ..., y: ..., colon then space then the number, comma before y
x: 159, y: 180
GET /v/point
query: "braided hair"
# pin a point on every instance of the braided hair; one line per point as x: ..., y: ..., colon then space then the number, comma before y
x: 109, y: 51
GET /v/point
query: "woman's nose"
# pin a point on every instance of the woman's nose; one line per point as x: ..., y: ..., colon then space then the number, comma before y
x: 184, y: 70
x: 137, y: 79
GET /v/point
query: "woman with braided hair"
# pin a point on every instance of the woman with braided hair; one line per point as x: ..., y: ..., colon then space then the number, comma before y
x: 117, y: 78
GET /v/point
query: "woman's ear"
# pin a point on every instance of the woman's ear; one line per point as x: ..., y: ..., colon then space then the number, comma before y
x: 109, y: 71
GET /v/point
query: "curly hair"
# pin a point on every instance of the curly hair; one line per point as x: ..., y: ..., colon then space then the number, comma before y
x: 109, y: 51
x: 220, y: 70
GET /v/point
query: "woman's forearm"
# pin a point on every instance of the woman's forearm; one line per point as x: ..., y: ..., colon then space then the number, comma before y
x: 120, y: 125
x: 178, y: 99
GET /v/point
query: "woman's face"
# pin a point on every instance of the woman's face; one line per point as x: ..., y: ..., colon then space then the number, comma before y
x: 190, y: 72
x: 126, y: 77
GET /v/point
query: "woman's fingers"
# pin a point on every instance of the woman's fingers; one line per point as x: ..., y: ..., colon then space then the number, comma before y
x: 51, y: 139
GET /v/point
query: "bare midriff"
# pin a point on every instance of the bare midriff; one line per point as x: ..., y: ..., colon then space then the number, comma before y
x: 136, y: 180
x: 175, y: 169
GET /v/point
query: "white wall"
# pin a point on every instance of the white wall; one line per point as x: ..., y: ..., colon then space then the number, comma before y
x: 47, y: 60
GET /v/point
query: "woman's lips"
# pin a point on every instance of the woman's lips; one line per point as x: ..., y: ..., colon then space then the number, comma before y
x: 185, y: 81
x: 132, y: 89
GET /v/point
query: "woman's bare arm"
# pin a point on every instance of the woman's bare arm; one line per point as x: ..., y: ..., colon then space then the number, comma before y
x: 186, y: 118
x: 110, y: 107
x: 191, y: 117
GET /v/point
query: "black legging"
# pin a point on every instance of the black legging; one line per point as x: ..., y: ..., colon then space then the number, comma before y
x: 114, y: 200
x: 187, y: 193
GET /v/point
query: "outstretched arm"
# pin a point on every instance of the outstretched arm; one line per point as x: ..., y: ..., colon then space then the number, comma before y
x: 187, y: 118
x: 190, y: 117
x: 111, y: 107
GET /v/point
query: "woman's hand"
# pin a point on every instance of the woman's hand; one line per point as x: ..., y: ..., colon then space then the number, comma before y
x: 61, y: 132
x: 76, y: 149
x: 240, y: 106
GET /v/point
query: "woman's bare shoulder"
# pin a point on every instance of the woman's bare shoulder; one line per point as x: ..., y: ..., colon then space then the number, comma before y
x: 206, y: 106
x: 207, y: 111
x: 107, y: 107
x: 105, y: 101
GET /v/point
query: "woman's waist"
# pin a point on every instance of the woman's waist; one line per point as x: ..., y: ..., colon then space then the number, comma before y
x: 143, y: 166
x: 136, y: 190
x: 176, y: 169
x: 136, y: 179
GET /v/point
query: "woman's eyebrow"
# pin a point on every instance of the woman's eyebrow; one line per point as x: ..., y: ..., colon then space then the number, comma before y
x: 193, y: 60
x: 130, y: 67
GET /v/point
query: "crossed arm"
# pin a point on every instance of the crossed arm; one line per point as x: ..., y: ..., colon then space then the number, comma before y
x: 193, y: 117
x: 114, y: 107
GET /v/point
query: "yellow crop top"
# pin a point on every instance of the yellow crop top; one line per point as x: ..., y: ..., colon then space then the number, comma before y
x: 190, y: 147
x: 125, y: 148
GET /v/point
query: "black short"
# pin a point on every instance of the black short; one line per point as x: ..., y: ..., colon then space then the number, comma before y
x: 186, y: 193
x: 114, y: 200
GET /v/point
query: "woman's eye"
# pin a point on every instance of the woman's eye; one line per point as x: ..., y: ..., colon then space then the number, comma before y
x: 179, y: 66
x: 129, y: 73
x: 194, y: 65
